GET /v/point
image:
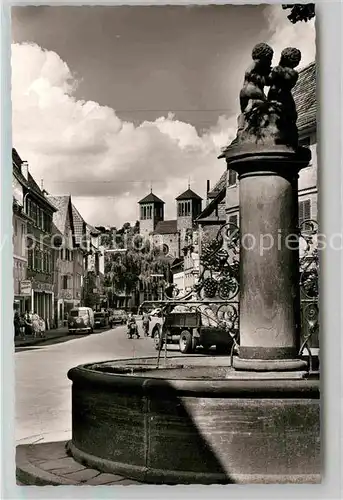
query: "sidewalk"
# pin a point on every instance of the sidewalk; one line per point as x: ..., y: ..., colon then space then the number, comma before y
x: 49, y: 334
x: 49, y: 464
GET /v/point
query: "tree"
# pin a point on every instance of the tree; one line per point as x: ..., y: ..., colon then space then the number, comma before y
x: 300, y: 12
x: 124, y: 270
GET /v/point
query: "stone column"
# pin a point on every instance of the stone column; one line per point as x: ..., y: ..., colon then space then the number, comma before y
x: 269, y: 256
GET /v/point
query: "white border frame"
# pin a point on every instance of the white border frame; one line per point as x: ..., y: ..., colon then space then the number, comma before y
x: 330, y: 144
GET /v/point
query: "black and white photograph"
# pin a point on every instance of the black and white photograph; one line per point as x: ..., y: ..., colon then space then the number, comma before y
x: 166, y: 244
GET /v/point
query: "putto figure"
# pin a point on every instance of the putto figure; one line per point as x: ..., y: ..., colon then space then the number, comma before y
x: 255, y: 78
x: 282, y: 80
x: 268, y: 119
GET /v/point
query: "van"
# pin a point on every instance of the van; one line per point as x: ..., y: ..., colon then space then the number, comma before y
x: 81, y: 319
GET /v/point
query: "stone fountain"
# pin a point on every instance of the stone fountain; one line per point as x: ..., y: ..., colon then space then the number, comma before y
x: 193, y: 419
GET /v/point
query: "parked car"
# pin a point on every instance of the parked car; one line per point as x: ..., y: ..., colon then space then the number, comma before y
x: 118, y: 317
x: 80, y: 320
x: 190, y: 329
x: 100, y: 319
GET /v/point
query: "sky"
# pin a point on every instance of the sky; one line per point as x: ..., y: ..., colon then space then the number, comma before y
x: 109, y: 101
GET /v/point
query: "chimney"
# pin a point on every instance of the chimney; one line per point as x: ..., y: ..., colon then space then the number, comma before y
x: 25, y: 169
x: 207, y: 191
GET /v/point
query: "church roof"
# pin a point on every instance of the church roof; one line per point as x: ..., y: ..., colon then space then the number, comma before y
x: 188, y: 195
x: 151, y: 198
x: 166, y: 227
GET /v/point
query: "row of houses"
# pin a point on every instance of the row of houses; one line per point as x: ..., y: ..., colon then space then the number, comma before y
x: 57, y: 256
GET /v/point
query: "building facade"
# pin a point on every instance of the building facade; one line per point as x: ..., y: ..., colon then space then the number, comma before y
x: 38, y: 285
x: 68, y: 260
x: 22, y: 288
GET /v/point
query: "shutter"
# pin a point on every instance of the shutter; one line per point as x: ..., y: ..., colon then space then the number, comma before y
x: 304, y: 211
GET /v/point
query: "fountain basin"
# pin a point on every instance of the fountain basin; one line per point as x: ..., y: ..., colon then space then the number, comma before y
x: 192, y: 421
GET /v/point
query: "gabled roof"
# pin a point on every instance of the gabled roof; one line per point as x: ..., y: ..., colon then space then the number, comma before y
x: 62, y: 205
x: 219, y: 186
x: 151, y: 198
x: 208, y: 211
x: 166, y: 227
x: 29, y: 183
x: 93, y: 230
x: 188, y: 195
x: 79, y: 225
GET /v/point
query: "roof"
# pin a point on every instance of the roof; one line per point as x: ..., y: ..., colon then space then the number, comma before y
x: 62, y: 204
x: 29, y: 183
x: 166, y: 227
x: 219, y: 186
x: 305, y: 98
x: 189, y: 195
x: 208, y: 211
x: 93, y: 230
x: 151, y: 198
x: 79, y: 224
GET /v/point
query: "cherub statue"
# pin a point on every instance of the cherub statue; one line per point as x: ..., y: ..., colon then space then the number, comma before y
x: 255, y: 77
x: 282, y: 79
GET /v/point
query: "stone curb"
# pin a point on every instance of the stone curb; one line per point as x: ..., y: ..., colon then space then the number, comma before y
x: 30, y: 470
x: 27, y: 343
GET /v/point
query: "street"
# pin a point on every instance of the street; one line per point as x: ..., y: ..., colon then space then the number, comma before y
x: 43, y: 391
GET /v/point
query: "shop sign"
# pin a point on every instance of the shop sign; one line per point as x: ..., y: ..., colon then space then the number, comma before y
x: 25, y: 287
x: 42, y: 287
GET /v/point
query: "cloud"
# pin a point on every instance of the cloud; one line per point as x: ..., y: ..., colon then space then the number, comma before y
x: 107, y: 164
x: 283, y: 33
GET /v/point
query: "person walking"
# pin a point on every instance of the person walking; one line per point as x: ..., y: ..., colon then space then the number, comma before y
x: 146, y: 324
x: 42, y: 328
x: 36, y: 325
x: 16, y: 324
x: 22, y: 326
x: 28, y: 324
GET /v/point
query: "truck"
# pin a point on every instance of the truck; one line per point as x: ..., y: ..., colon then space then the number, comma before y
x: 192, y: 325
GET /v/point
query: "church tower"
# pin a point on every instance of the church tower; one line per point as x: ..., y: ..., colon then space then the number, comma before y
x: 188, y: 209
x: 151, y: 212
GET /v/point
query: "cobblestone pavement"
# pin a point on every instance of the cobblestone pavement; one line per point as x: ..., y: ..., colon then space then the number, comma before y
x: 48, y: 464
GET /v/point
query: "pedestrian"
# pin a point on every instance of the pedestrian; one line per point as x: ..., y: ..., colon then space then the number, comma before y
x: 36, y: 325
x: 28, y: 324
x: 16, y: 324
x: 146, y: 323
x: 42, y: 328
x: 22, y: 326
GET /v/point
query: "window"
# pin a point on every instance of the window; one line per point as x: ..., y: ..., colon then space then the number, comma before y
x: 30, y: 258
x: 304, y: 211
x: 232, y: 178
x: 15, y: 227
x: 233, y: 219
x: 64, y: 282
